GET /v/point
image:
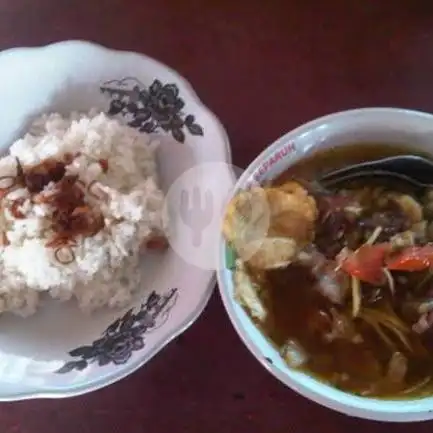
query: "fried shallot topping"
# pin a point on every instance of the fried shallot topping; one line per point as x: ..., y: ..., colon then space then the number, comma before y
x: 71, y: 216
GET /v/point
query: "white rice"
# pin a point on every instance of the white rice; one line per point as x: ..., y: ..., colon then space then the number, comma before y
x: 105, y: 270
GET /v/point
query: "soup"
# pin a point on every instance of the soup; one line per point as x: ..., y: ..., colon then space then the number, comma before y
x: 341, y: 281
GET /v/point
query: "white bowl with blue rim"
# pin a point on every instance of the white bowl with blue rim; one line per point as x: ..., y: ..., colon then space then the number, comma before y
x: 61, y: 352
x: 377, y: 125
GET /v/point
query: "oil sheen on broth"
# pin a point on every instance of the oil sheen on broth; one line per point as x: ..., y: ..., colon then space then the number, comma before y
x: 301, y: 313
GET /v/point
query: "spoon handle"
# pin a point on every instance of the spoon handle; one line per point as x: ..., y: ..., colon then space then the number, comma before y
x: 409, y: 168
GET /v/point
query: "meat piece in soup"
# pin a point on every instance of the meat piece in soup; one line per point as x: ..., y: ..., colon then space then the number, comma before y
x: 340, y: 281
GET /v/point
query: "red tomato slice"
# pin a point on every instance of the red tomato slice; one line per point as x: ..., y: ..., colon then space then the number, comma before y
x: 367, y: 263
x: 412, y: 259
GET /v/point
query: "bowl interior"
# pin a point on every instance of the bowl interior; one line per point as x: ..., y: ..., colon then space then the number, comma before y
x: 390, y: 126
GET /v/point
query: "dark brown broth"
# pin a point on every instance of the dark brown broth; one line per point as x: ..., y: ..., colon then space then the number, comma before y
x: 294, y: 311
x: 294, y: 307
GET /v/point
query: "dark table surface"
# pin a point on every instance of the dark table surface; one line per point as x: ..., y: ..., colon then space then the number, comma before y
x: 264, y: 67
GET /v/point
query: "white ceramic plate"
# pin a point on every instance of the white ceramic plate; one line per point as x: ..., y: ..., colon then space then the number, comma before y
x: 61, y: 352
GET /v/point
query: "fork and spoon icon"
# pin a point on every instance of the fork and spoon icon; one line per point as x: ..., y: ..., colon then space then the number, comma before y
x: 196, y: 211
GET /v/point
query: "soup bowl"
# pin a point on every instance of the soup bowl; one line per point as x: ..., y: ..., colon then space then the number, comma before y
x: 390, y: 126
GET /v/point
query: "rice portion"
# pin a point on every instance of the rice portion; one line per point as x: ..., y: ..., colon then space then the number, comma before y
x: 116, y: 168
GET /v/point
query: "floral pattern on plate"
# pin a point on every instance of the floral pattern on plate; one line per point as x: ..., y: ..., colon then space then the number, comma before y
x: 125, y: 335
x: 158, y: 107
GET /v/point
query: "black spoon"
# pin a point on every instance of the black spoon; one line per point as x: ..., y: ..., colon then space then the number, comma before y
x: 414, y: 171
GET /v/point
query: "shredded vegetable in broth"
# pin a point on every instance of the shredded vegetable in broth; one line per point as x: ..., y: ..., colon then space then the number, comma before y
x: 342, y: 283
